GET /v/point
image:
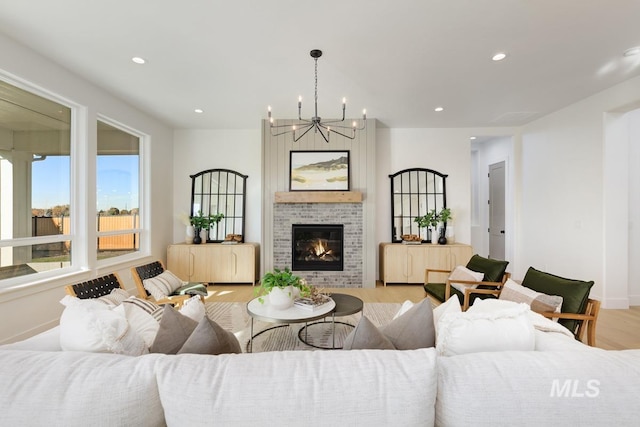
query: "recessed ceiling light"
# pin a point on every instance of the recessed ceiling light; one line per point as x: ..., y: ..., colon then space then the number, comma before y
x: 499, y: 56
x: 473, y: 137
x: 438, y: 109
x: 199, y: 110
x: 632, y: 51
x: 138, y: 60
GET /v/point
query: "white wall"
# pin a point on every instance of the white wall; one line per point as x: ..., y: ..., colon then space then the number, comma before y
x: 31, y: 309
x: 565, y: 194
x: 488, y: 152
x: 198, y: 150
x: 445, y: 150
x: 634, y: 207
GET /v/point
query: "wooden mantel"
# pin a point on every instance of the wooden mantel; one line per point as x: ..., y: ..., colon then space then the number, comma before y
x: 318, y: 197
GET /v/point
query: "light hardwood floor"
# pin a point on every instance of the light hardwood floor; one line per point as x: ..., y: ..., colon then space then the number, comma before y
x: 616, y: 329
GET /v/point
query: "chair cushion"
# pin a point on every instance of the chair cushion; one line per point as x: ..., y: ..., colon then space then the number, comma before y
x: 493, y: 269
x: 437, y: 291
x: 574, y: 293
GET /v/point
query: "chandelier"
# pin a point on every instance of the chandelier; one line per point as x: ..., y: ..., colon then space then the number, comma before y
x: 325, y: 128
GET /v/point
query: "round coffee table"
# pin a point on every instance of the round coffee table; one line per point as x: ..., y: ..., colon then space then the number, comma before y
x: 346, y: 305
x: 266, y: 313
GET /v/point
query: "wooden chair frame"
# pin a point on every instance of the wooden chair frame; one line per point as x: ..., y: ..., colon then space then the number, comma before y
x: 176, y: 300
x: 496, y: 286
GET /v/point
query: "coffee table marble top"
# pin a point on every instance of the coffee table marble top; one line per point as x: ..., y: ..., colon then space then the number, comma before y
x: 266, y: 313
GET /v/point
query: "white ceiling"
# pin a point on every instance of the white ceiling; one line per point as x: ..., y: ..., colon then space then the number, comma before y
x: 399, y: 59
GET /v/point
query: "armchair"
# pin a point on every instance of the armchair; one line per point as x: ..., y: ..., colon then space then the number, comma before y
x: 579, y: 313
x: 178, y: 297
x: 494, y: 278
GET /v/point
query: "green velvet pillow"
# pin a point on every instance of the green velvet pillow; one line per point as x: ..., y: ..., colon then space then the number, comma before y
x: 493, y: 269
x: 574, y: 293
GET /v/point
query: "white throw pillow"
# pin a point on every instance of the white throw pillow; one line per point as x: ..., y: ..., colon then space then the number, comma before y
x: 406, y: 306
x: 162, y: 285
x: 89, y: 325
x: 452, y: 305
x: 141, y: 321
x: 193, y: 308
x: 463, y: 273
x: 489, y: 325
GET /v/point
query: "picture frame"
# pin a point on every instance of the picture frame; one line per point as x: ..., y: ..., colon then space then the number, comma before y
x: 319, y: 170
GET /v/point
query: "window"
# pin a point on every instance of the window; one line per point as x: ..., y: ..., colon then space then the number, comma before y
x: 35, y: 165
x: 118, y: 195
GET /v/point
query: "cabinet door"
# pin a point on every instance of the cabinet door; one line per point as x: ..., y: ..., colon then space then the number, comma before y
x: 201, y: 263
x: 416, y: 263
x: 242, y: 264
x: 395, y: 264
x: 437, y: 257
x: 179, y: 261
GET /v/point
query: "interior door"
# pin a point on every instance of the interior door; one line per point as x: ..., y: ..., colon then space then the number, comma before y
x: 496, y: 210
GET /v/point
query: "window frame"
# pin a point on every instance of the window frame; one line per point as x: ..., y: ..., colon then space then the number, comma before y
x: 144, y: 244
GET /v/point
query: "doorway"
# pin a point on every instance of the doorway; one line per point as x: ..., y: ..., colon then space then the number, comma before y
x: 497, y: 210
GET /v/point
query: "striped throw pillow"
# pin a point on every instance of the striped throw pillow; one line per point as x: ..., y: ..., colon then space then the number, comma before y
x: 538, y: 302
x: 162, y: 285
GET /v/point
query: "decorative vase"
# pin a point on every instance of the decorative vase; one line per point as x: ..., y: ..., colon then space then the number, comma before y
x: 442, y: 240
x: 425, y: 232
x: 434, y: 236
x: 281, y: 298
x: 189, y: 234
x: 196, y: 236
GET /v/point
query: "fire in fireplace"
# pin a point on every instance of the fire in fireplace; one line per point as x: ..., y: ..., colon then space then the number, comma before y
x: 317, y: 247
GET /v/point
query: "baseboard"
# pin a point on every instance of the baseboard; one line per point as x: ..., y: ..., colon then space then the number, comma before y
x: 634, y: 300
x: 615, y: 303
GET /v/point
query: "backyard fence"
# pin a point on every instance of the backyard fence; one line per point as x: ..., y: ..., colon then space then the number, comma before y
x: 48, y: 226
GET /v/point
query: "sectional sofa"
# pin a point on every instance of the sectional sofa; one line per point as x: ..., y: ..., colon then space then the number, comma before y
x: 563, y: 383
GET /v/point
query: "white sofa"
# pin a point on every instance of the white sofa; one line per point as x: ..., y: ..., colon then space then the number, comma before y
x: 580, y: 386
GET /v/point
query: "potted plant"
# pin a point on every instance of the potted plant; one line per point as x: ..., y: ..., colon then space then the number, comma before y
x: 203, y: 222
x: 428, y: 221
x: 282, y: 287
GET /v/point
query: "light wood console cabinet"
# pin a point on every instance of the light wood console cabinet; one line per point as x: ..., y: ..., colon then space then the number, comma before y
x: 401, y: 263
x: 215, y: 262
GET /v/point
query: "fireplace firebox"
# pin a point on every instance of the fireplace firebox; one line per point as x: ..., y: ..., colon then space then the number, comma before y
x: 317, y: 247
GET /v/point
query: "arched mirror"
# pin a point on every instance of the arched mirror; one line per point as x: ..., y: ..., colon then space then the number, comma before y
x: 414, y: 192
x: 220, y: 191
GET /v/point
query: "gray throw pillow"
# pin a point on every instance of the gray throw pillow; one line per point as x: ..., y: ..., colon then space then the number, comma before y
x: 174, y: 331
x: 210, y: 338
x: 413, y: 329
x: 366, y: 335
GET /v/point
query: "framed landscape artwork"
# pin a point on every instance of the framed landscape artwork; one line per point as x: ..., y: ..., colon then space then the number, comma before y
x: 319, y: 171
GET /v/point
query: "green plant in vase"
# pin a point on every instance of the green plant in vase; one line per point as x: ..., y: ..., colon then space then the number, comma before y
x: 429, y: 220
x: 203, y: 222
x: 282, y: 287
